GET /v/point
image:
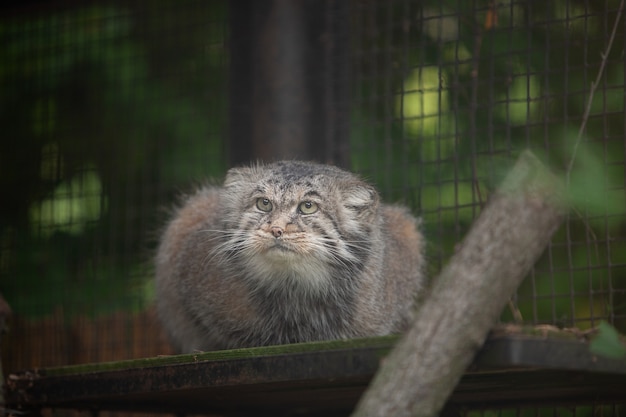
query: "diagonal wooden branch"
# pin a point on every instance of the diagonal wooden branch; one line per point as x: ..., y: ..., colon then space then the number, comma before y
x: 469, y: 294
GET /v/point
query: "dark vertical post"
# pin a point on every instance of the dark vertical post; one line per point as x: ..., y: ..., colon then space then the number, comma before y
x: 289, y: 80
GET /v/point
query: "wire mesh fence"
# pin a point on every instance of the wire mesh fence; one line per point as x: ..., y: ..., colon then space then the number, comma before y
x: 446, y: 94
x: 111, y: 109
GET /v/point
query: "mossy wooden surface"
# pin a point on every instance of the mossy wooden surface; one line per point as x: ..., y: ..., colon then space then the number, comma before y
x: 383, y: 343
x: 516, y: 366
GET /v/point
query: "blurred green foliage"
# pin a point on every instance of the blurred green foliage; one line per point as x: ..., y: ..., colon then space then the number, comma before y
x: 607, y: 343
x: 487, y: 81
x: 107, y: 118
x: 111, y: 110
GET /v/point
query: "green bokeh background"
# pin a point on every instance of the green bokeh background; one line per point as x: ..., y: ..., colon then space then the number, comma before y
x: 110, y: 110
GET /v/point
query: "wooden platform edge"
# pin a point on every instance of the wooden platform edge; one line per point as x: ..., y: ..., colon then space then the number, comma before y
x: 514, y: 365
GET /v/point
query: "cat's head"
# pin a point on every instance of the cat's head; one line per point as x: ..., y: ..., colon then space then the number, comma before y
x: 298, y: 223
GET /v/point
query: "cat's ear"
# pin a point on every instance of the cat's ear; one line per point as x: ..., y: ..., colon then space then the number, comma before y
x: 361, y: 198
x: 236, y: 177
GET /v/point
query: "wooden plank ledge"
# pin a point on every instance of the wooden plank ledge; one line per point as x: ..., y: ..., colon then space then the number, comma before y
x: 519, y: 366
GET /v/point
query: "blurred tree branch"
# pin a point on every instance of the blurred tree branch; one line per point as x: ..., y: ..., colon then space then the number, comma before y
x: 469, y: 294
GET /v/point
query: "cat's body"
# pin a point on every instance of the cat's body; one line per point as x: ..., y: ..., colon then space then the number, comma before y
x: 283, y: 253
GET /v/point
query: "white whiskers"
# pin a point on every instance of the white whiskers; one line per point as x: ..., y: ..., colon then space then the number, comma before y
x: 309, y: 261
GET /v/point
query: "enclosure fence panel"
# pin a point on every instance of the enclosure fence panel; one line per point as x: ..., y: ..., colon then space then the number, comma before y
x: 446, y: 95
x: 112, y: 110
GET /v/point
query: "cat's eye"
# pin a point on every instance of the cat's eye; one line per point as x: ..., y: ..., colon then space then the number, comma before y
x: 307, y: 207
x: 264, y: 204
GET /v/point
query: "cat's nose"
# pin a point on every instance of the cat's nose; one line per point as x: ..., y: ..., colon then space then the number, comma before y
x: 277, y: 231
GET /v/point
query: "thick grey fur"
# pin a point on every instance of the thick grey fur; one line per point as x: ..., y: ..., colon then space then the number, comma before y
x: 229, y: 274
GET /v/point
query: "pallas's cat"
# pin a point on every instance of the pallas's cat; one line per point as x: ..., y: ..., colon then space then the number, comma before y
x: 283, y: 253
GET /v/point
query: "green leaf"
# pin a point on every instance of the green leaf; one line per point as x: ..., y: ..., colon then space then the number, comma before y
x: 593, y: 183
x: 607, y: 343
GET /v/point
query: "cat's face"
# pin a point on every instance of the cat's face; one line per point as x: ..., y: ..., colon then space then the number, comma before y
x: 297, y: 222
